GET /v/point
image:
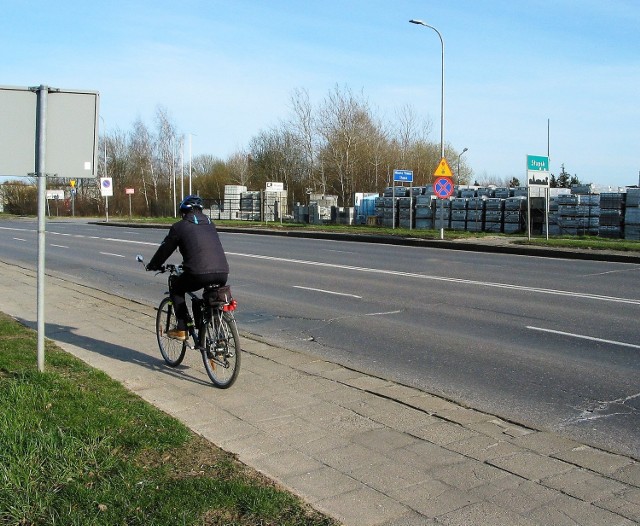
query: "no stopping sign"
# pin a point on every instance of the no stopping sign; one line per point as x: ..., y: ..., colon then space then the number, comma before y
x: 443, y: 187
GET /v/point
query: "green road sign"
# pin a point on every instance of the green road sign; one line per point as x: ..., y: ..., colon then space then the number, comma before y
x: 537, y: 163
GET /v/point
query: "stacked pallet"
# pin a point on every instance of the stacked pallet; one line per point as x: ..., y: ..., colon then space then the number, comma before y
x: 250, y: 206
x: 493, y: 214
x: 459, y: 213
x: 231, y: 205
x: 514, y: 214
x: 442, y: 214
x: 611, y: 214
x: 424, y: 211
x: 476, y: 214
x: 632, y: 214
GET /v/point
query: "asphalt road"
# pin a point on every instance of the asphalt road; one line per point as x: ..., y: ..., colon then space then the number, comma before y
x: 549, y: 343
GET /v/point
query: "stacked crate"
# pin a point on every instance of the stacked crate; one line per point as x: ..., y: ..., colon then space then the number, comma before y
x: 275, y: 205
x: 442, y: 214
x: 588, y: 214
x: 554, y: 228
x: 493, y: 214
x: 611, y: 214
x: 405, y: 215
x: 632, y: 214
x: 459, y: 213
x: 567, y: 223
x: 424, y: 211
x: 578, y: 214
x: 343, y: 215
x: 514, y: 214
x: 231, y: 205
x: 476, y: 214
x: 250, y: 206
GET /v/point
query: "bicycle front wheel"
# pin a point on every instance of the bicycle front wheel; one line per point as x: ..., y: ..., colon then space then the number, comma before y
x: 221, y: 353
x: 172, y: 351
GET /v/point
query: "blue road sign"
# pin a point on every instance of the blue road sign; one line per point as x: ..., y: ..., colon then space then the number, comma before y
x: 403, y: 176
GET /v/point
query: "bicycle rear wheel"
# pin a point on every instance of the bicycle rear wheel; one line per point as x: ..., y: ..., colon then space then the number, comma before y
x: 221, y: 353
x: 172, y: 351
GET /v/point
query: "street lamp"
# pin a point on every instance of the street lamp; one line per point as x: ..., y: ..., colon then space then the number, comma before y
x: 421, y: 23
x: 458, y: 172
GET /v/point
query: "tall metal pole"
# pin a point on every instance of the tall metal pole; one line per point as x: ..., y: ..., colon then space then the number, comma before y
x: 182, y: 168
x: 421, y: 23
x: 41, y: 143
x: 190, y: 156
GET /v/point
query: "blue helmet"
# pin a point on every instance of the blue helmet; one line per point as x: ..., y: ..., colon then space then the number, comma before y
x: 189, y: 203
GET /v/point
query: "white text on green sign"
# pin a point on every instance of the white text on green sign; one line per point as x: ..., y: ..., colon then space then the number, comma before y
x: 537, y: 163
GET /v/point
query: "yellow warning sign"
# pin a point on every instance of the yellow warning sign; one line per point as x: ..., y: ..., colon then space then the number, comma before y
x: 443, y: 169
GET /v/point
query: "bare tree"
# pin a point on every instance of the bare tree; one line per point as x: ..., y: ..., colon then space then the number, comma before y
x: 304, y: 126
x: 343, y: 121
x: 141, y: 148
x: 167, y: 148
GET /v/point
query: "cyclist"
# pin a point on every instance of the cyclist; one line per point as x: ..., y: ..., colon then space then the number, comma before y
x: 204, y: 261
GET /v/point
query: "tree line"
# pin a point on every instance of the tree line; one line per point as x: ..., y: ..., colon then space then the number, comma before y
x: 338, y: 146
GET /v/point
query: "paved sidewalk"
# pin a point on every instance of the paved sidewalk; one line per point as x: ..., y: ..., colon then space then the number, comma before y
x: 361, y: 449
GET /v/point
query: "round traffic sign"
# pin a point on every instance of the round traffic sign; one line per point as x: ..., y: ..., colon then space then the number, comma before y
x: 443, y: 187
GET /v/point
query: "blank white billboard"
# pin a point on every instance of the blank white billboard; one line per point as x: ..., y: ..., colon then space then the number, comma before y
x: 71, y: 132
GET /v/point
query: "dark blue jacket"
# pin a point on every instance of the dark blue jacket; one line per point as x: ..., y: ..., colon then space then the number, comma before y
x: 196, y: 237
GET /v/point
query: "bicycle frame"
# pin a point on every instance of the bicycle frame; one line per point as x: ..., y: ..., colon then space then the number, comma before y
x: 211, y: 329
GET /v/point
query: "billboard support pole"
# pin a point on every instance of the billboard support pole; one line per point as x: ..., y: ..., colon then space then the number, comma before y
x: 41, y: 126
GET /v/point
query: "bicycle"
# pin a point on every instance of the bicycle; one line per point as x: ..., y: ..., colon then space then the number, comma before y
x: 212, y: 330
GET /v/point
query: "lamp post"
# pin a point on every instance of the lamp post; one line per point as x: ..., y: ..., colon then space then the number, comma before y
x: 458, y: 172
x: 421, y: 23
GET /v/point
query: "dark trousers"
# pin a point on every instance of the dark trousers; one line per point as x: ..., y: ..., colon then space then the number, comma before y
x: 186, y: 282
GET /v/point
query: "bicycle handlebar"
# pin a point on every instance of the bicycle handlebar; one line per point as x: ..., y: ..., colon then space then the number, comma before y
x: 169, y: 267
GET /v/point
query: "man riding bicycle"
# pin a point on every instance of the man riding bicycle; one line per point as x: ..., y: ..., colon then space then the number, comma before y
x: 203, y: 259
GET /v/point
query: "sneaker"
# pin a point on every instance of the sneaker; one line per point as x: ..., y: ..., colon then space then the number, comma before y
x: 177, y: 334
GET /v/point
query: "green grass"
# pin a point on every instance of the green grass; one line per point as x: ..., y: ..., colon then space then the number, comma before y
x: 584, y: 242
x: 77, y: 448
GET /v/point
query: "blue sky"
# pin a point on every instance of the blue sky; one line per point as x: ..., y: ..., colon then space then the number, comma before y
x: 226, y: 69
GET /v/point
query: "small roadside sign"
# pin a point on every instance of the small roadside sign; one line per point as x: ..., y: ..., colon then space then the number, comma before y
x: 274, y: 187
x: 443, y: 169
x: 129, y: 191
x: 106, y: 187
x: 55, y: 194
x: 443, y: 187
x: 403, y: 176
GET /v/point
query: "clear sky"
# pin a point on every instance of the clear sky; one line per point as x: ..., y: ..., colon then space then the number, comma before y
x: 226, y: 69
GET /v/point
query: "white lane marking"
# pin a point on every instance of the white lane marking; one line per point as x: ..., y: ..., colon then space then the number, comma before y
x: 384, y: 313
x: 112, y: 254
x: 583, y: 295
x: 19, y: 239
x: 58, y: 246
x: 583, y: 337
x: 612, y: 272
x: 327, y: 291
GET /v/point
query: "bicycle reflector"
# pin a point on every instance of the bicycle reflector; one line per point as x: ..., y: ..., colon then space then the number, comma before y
x: 231, y: 306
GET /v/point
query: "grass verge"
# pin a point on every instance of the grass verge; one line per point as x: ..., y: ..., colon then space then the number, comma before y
x: 78, y: 448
